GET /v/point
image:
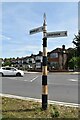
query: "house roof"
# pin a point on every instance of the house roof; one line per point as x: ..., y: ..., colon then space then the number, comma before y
x: 55, y: 50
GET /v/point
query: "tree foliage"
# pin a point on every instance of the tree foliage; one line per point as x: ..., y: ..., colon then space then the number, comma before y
x: 7, y: 62
x: 76, y: 41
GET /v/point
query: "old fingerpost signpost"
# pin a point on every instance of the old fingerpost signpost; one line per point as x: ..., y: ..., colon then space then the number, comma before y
x: 44, y: 67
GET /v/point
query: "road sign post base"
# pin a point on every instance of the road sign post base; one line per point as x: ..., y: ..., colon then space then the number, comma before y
x: 44, y: 102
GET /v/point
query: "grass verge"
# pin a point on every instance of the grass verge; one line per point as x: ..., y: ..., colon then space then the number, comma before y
x: 16, y: 108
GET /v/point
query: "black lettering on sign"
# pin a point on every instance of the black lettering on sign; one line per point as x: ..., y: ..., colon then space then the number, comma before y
x: 54, y: 34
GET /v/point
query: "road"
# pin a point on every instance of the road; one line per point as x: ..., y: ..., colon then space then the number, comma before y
x: 61, y: 86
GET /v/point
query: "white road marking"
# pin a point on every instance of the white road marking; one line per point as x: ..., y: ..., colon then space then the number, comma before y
x: 34, y: 79
x: 39, y: 100
x: 14, y: 78
x: 26, y: 80
x: 73, y: 80
x: 17, y: 79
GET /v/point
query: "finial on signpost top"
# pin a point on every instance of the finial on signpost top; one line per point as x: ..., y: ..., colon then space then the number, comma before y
x: 44, y: 16
x: 44, y: 26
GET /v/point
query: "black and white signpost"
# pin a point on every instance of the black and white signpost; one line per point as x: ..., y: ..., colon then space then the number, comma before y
x: 44, y: 67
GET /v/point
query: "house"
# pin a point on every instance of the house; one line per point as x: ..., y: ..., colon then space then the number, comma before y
x: 24, y: 62
x: 17, y: 62
x: 38, y: 61
x: 57, y: 59
x: 30, y: 61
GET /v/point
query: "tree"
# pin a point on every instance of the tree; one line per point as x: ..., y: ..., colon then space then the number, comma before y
x: 70, y: 60
x: 7, y: 62
x: 73, y: 63
x: 76, y: 41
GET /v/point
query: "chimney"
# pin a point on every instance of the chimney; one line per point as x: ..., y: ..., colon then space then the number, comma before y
x: 63, y: 47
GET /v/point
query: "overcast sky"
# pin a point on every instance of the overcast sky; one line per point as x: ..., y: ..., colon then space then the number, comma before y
x: 18, y: 18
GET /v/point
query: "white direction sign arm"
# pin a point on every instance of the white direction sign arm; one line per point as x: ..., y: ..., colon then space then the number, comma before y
x: 57, y: 34
x: 36, y: 30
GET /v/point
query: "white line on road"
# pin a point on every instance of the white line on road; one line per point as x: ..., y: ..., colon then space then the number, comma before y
x: 25, y: 79
x: 73, y: 80
x: 17, y: 79
x: 39, y: 100
x: 34, y: 79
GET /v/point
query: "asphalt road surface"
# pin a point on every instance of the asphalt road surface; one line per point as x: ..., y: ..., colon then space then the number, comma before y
x: 62, y: 87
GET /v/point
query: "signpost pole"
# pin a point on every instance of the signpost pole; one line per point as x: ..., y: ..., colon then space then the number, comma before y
x: 44, y: 67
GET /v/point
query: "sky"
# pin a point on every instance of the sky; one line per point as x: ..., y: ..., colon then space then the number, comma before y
x: 79, y: 16
x: 18, y: 18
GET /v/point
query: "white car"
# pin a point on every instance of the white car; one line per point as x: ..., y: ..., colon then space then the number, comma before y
x: 8, y: 71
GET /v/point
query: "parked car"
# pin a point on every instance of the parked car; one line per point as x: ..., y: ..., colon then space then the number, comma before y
x: 10, y: 71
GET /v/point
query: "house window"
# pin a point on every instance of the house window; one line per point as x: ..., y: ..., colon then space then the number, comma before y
x: 54, y: 55
x: 38, y: 60
x: 30, y: 61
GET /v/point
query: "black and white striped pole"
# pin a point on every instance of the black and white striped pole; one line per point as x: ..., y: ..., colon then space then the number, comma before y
x: 44, y: 67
